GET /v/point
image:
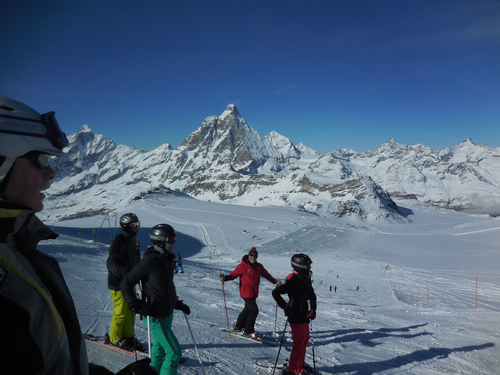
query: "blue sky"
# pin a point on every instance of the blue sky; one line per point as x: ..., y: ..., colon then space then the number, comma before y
x: 330, y: 74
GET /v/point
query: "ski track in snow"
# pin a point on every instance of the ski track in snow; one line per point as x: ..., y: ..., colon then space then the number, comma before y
x: 376, y: 329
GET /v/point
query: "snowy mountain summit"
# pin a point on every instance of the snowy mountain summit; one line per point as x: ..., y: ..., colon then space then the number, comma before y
x: 226, y: 160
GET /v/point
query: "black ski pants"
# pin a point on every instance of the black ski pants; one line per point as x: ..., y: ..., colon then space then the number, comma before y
x: 247, y: 317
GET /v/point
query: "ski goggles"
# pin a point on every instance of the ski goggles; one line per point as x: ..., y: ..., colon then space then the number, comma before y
x: 47, y: 127
x: 170, y: 240
x: 39, y: 159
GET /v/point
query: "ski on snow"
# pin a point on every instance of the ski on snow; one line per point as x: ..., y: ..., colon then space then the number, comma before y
x: 102, y: 341
x: 262, y: 339
x: 280, y: 368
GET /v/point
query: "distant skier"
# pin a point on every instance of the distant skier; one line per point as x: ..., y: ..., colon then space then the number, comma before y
x: 159, y: 297
x: 249, y: 271
x: 124, y: 254
x: 300, y: 310
x: 178, y: 264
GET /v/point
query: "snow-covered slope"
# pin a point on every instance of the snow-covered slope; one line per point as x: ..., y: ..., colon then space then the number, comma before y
x: 397, y: 299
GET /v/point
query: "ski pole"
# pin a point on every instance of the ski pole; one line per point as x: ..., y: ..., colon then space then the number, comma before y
x: 133, y: 333
x: 275, y: 319
x: 225, y: 306
x: 281, y: 344
x: 312, y: 343
x: 194, y: 342
x: 149, y: 339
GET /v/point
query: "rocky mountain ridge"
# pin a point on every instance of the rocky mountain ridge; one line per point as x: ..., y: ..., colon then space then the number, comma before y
x: 226, y: 160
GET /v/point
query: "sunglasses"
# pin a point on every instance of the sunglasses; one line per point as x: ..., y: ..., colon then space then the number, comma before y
x: 38, y: 159
x: 48, y: 129
x: 170, y: 240
x: 253, y: 255
x: 135, y: 224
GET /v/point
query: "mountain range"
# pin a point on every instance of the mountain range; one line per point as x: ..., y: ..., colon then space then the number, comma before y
x: 226, y: 160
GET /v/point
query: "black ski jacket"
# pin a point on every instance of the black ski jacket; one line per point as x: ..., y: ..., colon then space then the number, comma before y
x: 124, y: 254
x: 156, y: 271
x: 300, y: 293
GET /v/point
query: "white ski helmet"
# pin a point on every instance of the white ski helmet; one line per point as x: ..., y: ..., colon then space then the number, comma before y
x: 22, y: 129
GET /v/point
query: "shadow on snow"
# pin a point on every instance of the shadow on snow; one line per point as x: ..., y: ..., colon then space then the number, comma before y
x: 365, y: 336
x: 403, y: 360
x: 185, y: 245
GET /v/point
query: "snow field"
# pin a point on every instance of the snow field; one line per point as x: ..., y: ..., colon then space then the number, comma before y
x: 360, y: 331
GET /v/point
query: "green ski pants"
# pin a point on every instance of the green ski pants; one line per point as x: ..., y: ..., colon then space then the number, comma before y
x: 166, y: 351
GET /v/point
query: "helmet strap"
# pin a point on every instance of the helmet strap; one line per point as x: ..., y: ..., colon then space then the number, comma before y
x: 6, y: 171
x: 162, y: 247
x: 158, y: 248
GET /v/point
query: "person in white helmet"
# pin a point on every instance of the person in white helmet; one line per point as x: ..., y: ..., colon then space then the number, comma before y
x: 39, y: 328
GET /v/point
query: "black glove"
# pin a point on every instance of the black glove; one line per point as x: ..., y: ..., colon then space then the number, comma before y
x: 183, y: 307
x: 142, y: 307
x: 288, y: 310
x: 222, y: 277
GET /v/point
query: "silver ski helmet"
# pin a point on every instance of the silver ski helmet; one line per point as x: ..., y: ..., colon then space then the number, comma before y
x: 22, y: 129
x: 301, y: 263
x: 161, y: 234
x: 128, y: 220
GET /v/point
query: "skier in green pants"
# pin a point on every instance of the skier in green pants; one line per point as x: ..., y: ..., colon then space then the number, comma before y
x: 159, y: 297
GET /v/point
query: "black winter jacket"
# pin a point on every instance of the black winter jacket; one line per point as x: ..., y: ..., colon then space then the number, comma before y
x: 300, y: 291
x: 156, y: 271
x: 39, y: 326
x: 124, y: 254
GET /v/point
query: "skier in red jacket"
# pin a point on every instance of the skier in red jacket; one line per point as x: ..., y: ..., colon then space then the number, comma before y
x: 249, y: 271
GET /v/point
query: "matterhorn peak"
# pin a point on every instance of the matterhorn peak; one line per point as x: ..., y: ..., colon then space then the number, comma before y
x: 231, y: 110
x: 468, y: 140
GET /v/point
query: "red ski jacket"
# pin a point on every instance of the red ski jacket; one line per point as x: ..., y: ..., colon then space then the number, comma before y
x: 249, y: 275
